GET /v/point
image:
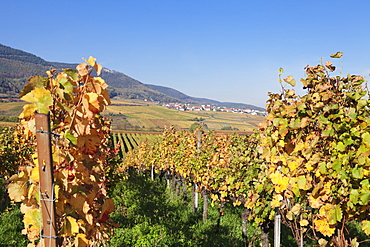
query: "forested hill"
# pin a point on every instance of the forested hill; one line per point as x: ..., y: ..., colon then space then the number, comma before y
x: 16, y: 66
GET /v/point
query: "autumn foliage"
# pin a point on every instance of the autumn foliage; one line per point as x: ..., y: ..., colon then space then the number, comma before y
x: 309, y: 159
x: 74, y: 99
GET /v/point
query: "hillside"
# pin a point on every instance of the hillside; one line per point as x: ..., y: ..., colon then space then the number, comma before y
x: 202, y: 101
x: 138, y: 115
x: 16, y: 66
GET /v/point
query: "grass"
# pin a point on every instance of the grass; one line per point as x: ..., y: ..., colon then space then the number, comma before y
x: 151, y: 215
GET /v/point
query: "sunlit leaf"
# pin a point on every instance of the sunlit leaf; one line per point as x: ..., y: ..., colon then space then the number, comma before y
x: 337, y: 55
x: 72, y: 73
x: 88, y: 144
x: 280, y: 181
x: 296, y: 209
x: 365, y: 226
x: 33, y: 218
x: 290, y: 80
x: 69, y: 226
x: 82, y: 69
x: 35, y: 174
x: 91, y: 61
x: 69, y: 136
x: 81, y: 240
x: 304, y: 222
x: 17, y: 191
x: 41, y: 97
x: 28, y: 111
x: 323, y: 226
x: 332, y: 212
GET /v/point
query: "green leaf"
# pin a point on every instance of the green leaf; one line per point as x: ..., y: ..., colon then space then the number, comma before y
x: 352, y: 113
x: 67, y: 85
x: 72, y: 73
x: 302, y: 183
x: 364, y: 197
x: 69, y: 136
x: 357, y: 172
x: 365, y: 184
x: 366, y: 138
x: 329, y: 131
x: 323, y: 169
x: 341, y: 147
x: 354, y: 196
x: 334, y: 215
x: 362, y: 103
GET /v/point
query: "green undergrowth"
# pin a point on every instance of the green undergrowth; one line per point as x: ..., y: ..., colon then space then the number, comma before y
x: 11, y: 223
x: 149, y: 215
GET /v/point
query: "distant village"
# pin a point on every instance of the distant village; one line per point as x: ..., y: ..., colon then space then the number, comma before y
x: 189, y: 107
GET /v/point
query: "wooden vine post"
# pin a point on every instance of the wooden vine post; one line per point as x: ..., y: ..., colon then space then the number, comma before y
x: 45, y: 160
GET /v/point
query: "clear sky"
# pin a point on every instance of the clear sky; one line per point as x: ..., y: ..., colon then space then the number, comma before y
x: 227, y: 50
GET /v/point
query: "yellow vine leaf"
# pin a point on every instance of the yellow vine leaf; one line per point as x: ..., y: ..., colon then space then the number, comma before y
x: 28, y: 204
x: 332, y: 212
x: 94, y: 101
x: 82, y: 69
x: 296, y: 209
x: 280, y: 181
x: 78, y: 200
x: 302, y: 183
x: 315, y: 202
x: 41, y: 97
x: 293, y: 165
x: 365, y: 226
x: 81, y: 240
x: 275, y: 203
x: 32, y: 222
x: 323, y: 242
x: 33, y: 191
x: 304, y: 222
x: 323, y: 226
x: 86, y: 207
x: 17, y: 191
x: 101, y: 81
x: 69, y: 227
x: 35, y: 176
x: 90, y: 61
x: 290, y: 81
x: 237, y: 203
x: 89, y: 218
x: 337, y: 55
x: 98, y: 68
x: 32, y: 217
x: 108, y: 206
x: 28, y: 111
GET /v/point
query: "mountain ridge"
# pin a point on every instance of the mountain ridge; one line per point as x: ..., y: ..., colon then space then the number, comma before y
x: 16, y: 66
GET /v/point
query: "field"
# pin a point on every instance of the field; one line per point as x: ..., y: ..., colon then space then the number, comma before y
x: 139, y: 115
x: 136, y: 115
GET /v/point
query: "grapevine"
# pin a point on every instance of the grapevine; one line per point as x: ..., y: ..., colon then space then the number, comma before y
x: 74, y: 100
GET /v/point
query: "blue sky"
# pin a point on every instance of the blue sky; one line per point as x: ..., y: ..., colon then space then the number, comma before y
x: 227, y: 50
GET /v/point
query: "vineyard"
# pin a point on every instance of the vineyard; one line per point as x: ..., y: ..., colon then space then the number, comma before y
x: 125, y: 142
x: 307, y: 164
